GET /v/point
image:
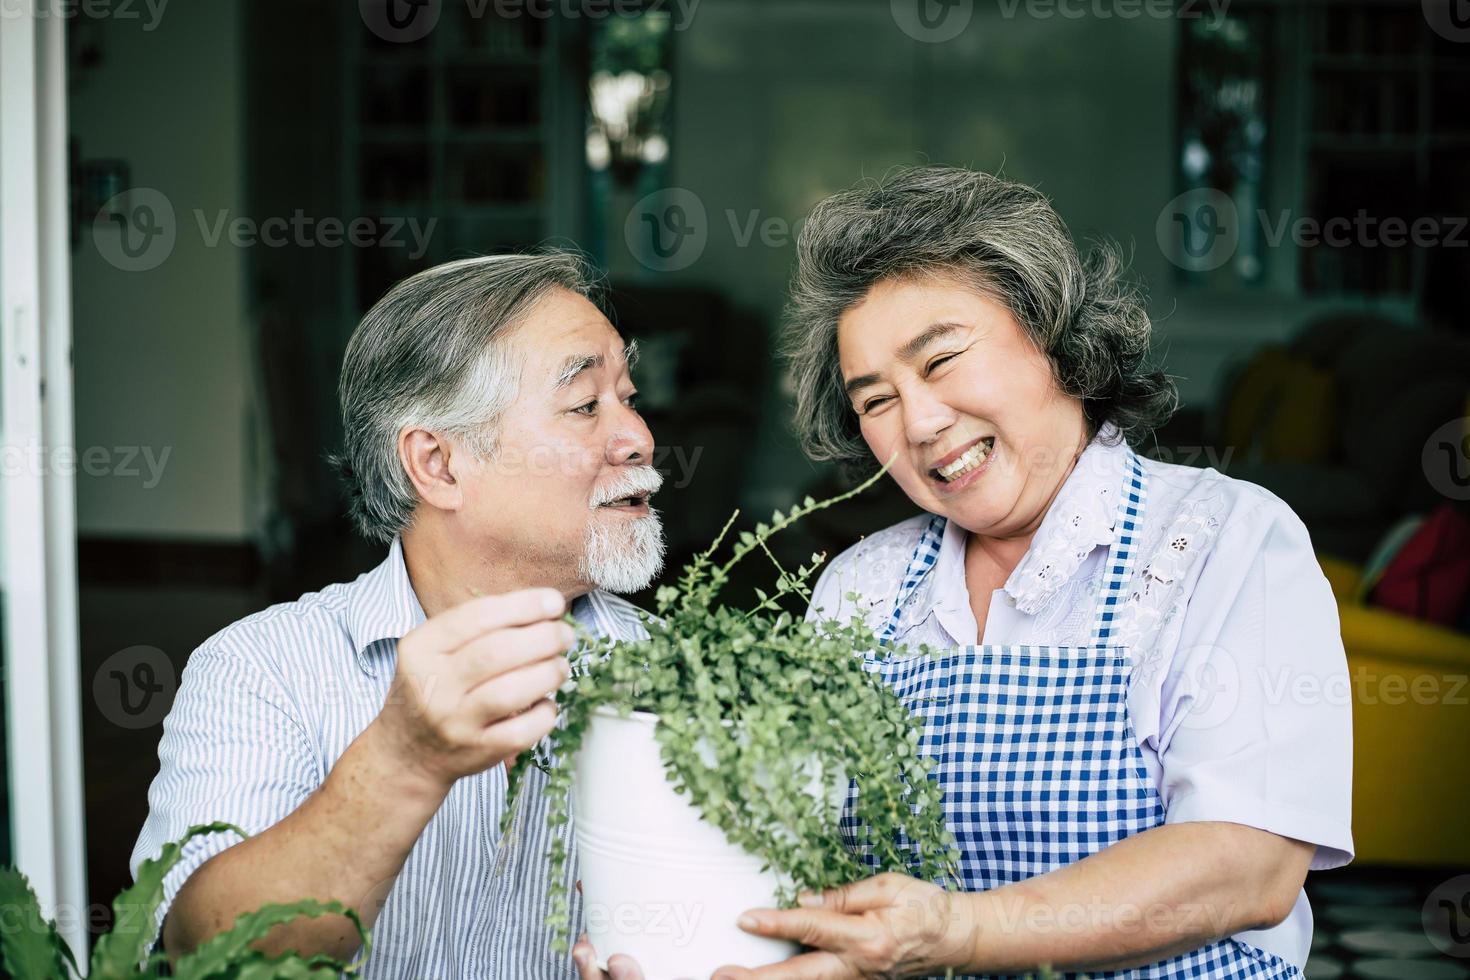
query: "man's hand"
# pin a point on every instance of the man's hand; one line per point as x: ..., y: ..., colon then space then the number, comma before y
x: 472, y: 684
x: 890, y: 925
x: 619, y: 967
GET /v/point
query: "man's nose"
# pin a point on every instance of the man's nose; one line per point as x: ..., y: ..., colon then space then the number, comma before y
x: 632, y: 443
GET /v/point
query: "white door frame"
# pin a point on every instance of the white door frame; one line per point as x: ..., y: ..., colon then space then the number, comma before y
x: 38, y: 521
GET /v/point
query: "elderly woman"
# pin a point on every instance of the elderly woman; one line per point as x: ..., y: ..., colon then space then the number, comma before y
x: 1136, y: 783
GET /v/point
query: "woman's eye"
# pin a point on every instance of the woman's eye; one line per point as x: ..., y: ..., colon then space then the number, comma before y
x: 632, y: 401
x: 588, y: 409
x: 938, y: 361
x: 873, y: 403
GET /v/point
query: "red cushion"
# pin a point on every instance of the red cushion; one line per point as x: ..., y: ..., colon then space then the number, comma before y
x: 1429, y: 578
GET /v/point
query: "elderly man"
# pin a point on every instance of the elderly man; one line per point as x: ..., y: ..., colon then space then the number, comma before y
x: 358, y: 732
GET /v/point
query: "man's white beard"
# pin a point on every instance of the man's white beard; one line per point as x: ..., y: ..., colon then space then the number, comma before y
x: 622, y: 555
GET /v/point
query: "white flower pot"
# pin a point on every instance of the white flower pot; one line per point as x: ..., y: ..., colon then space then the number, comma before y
x: 659, y: 883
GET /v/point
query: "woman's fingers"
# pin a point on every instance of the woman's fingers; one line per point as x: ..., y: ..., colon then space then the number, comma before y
x: 810, y: 927
x: 859, y: 896
x: 808, y: 966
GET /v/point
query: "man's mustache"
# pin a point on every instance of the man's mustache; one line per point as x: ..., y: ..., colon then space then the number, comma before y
x: 644, y: 480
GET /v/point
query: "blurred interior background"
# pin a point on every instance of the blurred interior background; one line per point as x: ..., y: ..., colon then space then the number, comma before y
x: 1291, y: 179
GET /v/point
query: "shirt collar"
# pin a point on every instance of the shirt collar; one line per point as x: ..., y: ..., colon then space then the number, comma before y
x: 381, y: 606
x: 1080, y: 519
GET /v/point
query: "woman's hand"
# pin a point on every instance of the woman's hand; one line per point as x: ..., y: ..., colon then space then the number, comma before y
x: 890, y: 925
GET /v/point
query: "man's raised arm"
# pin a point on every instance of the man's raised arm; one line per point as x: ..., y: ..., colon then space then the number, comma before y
x: 470, y: 689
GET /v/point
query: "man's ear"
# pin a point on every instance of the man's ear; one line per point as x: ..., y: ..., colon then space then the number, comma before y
x: 426, y: 459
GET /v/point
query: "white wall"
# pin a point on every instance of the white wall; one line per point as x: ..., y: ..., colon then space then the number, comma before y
x: 160, y: 354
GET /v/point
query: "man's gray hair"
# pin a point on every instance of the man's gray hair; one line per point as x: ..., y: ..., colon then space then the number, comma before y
x: 432, y: 354
x: 1005, y: 240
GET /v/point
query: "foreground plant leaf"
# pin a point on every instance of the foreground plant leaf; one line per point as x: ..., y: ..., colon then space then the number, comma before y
x: 214, y: 957
x: 118, y: 953
x: 29, y: 945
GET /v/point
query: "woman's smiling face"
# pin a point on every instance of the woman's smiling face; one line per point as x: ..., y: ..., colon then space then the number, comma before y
x: 948, y: 385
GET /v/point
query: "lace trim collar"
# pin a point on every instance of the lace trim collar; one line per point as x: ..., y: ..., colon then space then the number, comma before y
x: 1081, y: 518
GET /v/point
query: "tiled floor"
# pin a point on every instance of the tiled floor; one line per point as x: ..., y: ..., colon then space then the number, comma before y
x: 1389, y: 924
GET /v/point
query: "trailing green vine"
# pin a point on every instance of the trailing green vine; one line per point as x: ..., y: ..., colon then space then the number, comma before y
x: 756, y: 708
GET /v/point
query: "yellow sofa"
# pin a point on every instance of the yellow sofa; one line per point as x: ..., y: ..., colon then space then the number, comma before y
x: 1411, y: 731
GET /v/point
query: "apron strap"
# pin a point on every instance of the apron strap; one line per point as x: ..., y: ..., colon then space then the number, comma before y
x: 1119, y: 570
x: 926, y: 553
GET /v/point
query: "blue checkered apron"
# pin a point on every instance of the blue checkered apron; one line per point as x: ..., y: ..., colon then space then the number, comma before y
x: 1035, y: 750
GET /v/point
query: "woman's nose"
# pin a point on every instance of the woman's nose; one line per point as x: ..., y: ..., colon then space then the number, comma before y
x: 925, y: 418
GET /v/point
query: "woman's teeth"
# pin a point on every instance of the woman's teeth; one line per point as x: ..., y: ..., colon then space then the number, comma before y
x: 972, y: 458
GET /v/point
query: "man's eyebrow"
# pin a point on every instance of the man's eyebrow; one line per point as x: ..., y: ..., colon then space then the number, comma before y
x: 573, y: 366
x: 911, y: 349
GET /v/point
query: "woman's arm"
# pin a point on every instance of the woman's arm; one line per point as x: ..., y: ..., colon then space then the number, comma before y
x: 1146, y: 898
x: 1149, y: 897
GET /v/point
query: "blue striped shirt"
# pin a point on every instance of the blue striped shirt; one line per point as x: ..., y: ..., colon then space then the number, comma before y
x: 270, y: 703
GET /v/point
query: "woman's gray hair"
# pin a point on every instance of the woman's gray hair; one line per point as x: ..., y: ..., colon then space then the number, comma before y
x: 1004, y: 239
x: 432, y: 354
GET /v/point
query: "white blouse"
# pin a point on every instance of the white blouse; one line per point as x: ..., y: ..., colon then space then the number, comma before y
x: 1240, y: 698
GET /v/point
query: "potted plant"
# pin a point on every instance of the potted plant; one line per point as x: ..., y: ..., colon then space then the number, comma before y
x: 710, y: 764
x: 32, y: 949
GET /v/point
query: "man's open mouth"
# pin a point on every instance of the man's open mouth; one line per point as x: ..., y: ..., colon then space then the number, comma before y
x: 634, y: 502
x: 967, y: 461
